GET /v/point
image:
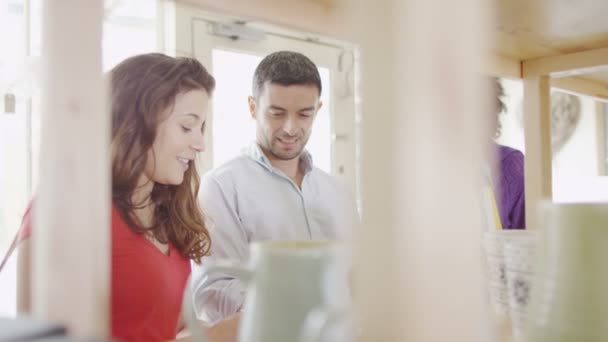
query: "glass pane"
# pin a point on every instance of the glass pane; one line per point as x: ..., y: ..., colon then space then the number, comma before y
x: 36, y: 121
x: 13, y: 154
x: 139, y: 9
x: 36, y: 27
x: 14, y: 192
x: 122, y: 40
x: 319, y: 143
x: 129, y: 28
x: 12, y: 30
x: 233, y: 127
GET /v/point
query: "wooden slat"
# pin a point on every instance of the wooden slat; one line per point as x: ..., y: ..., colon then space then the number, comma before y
x: 501, y: 66
x: 600, y: 77
x: 585, y: 62
x: 537, y: 131
x: 530, y: 29
x: 309, y: 16
x: 378, y: 203
x: 71, y: 247
x: 525, y: 29
x: 582, y: 86
x: 420, y: 150
x: 589, y: 85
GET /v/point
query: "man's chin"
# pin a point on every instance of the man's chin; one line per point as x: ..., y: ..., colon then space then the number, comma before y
x: 286, y: 155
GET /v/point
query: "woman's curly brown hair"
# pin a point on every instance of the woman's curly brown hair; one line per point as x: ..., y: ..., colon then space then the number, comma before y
x: 143, y: 87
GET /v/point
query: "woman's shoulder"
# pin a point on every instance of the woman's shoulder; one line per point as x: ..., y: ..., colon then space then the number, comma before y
x: 506, y: 153
x: 120, y: 227
x: 25, y: 230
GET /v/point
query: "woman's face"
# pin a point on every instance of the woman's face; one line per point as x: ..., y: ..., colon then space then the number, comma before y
x: 179, y: 138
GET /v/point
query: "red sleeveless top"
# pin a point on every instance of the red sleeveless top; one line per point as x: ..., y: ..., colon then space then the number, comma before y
x: 147, y: 285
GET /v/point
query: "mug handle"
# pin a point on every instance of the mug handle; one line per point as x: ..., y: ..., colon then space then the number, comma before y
x: 318, y: 320
x: 188, y: 313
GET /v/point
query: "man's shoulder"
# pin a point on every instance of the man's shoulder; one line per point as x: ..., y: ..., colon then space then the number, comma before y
x: 237, y: 167
x: 328, y: 180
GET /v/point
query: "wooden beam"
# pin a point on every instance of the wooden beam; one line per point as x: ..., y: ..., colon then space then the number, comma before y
x: 71, y: 234
x: 581, y: 86
x: 309, y: 16
x: 585, y: 62
x: 501, y: 66
x: 327, y: 3
x: 537, y: 132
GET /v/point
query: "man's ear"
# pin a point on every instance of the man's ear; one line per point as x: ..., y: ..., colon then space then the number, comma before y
x: 252, y: 106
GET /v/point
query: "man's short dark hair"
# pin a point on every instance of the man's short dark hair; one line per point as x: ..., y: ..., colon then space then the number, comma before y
x: 285, y: 68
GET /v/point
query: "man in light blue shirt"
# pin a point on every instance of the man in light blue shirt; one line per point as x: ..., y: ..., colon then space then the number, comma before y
x: 272, y: 191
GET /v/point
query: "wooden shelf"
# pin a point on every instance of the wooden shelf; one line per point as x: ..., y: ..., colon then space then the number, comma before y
x: 531, y: 29
x: 560, y: 43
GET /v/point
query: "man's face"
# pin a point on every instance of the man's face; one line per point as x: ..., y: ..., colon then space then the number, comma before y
x: 284, y: 116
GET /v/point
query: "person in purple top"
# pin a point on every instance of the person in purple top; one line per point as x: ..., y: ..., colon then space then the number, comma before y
x: 509, y: 174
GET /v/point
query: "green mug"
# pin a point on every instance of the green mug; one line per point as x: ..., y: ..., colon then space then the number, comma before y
x: 569, y: 299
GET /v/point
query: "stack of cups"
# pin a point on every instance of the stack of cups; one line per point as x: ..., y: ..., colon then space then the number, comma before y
x: 509, y: 257
x: 520, y: 264
x: 570, y: 295
x: 496, y: 273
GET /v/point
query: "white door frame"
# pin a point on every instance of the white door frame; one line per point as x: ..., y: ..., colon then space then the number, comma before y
x: 193, y: 38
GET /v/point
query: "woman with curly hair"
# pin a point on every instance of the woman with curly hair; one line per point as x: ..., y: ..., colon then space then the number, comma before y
x: 159, y: 107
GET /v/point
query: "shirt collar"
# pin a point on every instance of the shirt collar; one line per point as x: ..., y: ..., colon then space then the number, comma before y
x: 255, y: 152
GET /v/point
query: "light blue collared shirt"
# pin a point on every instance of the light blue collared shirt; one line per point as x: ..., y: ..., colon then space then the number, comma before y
x: 246, y: 200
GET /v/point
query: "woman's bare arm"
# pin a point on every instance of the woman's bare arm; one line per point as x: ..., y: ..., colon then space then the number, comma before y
x: 223, y: 331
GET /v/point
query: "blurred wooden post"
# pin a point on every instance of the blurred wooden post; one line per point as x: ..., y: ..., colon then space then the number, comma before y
x: 423, y: 128
x: 378, y: 285
x: 71, y: 254
x: 537, y: 127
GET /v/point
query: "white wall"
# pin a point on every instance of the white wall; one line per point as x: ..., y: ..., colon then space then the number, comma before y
x: 575, y: 167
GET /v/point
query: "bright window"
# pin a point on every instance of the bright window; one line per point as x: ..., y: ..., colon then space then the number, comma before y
x: 130, y: 27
